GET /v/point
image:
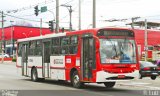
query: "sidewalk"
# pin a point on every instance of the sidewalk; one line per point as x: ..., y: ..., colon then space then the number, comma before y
x: 7, y: 62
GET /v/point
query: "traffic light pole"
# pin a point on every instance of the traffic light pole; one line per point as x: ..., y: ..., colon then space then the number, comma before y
x: 94, y: 13
x: 79, y: 14
x: 70, y: 15
x: 41, y: 27
x: 146, y: 41
x: 57, y: 16
x: 2, y: 60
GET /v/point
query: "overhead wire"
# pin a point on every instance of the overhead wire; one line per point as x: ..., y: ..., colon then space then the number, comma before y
x: 29, y: 7
x: 26, y: 8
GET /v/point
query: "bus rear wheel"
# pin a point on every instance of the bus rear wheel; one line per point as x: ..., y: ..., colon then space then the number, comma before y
x: 109, y: 84
x: 76, y: 80
x: 34, y: 75
x: 153, y: 77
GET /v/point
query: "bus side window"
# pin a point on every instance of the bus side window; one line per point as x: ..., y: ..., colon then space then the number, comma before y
x: 19, y: 50
x: 74, y: 39
x: 38, y: 50
x: 65, y: 41
x: 56, y: 46
x: 56, y: 41
x: 74, y: 45
x: 73, y: 49
x: 32, y: 47
x: 64, y: 50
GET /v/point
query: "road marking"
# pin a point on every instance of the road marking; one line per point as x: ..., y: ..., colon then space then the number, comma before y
x: 139, y: 84
x: 135, y: 83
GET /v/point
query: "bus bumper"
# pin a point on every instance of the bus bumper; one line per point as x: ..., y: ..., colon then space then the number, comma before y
x: 102, y: 76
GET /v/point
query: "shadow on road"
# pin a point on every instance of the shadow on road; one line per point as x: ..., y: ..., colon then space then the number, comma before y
x: 93, y: 90
x: 85, y: 87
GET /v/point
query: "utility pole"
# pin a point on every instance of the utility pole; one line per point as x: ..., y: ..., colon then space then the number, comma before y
x: 94, y: 13
x: 133, y: 20
x: 132, y: 25
x: 41, y: 27
x: 146, y: 40
x: 69, y: 7
x: 70, y: 14
x: 79, y: 14
x: 2, y: 36
x: 57, y: 16
x: 12, y: 43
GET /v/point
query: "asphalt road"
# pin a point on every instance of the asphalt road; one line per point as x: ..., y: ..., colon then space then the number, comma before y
x: 15, y: 85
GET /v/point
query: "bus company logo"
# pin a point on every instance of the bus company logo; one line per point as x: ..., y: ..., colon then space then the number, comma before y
x: 58, y: 61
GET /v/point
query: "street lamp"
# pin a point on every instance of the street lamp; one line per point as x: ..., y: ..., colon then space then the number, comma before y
x: 69, y: 7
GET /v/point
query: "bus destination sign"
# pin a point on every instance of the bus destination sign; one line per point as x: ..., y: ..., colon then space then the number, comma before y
x: 115, y: 33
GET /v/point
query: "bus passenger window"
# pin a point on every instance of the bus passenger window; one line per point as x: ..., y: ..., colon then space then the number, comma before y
x: 74, y: 39
x: 56, y: 42
x: 73, y: 49
x: 64, y: 50
x: 55, y: 50
x: 65, y: 41
x: 32, y: 47
x: 19, y: 49
x: 38, y: 50
x: 56, y: 46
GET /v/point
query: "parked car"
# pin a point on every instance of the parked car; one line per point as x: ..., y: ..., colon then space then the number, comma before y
x: 148, y: 69
x: 4, y: 55
x: 158, y: 63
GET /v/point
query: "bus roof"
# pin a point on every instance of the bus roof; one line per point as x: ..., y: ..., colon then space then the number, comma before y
x: 69, y: 33
x: 42, y: 37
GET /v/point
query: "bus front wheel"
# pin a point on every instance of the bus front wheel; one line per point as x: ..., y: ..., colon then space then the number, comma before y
x: 34, y: 75
x: 76, y: 80
x: 153, y: 77
x: 109, y: 84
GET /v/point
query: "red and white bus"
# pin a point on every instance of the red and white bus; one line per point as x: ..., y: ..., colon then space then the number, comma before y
x: 104, y: 55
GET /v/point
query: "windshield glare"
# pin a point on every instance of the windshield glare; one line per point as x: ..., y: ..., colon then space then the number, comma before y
x: 117, y: 51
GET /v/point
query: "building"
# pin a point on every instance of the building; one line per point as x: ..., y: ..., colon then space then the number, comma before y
x: 153, y: 41
x: 12, y: 33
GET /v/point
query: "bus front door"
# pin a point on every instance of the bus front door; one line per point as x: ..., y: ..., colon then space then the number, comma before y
x: 88, y: 58
x: 24, y: 59
x: 46, y: 59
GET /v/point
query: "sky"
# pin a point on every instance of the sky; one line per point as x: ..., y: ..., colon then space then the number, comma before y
x: 105, y: 10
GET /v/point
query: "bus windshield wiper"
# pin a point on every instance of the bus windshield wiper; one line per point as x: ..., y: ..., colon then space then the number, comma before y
x: 113, y: 46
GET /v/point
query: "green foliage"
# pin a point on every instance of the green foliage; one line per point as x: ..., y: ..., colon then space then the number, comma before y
x: 14, y: 60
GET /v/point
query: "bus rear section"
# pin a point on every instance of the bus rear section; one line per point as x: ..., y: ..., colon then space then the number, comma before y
x: 90, y: 56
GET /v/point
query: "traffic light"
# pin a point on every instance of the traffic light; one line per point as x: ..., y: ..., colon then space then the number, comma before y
x: 36, y: 10
x: 51, y: 26
x: 62, y: 29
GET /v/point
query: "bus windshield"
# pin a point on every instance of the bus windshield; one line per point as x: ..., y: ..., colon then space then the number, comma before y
x: 117, y: 51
